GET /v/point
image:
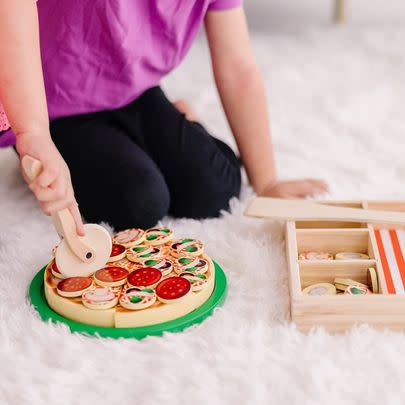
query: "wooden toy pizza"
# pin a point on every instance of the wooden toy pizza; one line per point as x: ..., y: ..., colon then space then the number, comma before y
x: 345, y: 259
x: 151, y: 279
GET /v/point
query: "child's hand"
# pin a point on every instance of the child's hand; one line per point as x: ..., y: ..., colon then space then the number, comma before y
x: 295, y: 188
x: 53, y: 187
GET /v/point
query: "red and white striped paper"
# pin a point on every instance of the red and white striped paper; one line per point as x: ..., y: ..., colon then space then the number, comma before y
x: 391, y: 246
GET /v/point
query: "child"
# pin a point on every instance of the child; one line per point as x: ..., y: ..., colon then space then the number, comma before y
x: 133, y: 155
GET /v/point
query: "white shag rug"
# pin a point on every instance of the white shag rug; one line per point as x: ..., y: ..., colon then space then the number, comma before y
x: 336, y: 98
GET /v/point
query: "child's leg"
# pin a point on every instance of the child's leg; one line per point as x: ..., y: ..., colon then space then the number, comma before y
x: 113, y: 178
x: 202, y: 172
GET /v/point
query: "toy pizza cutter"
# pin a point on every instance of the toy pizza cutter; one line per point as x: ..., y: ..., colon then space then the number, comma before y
x: 75, y: 255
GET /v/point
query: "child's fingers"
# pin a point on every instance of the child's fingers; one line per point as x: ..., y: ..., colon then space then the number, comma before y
x: 308, y: 188
x: 53, y: 206
x: 25, y: 177
x: 74, y: 210
x: 48, y: 175
x: 57, y: 191
x: 320, y: 185
x: 311, y: 187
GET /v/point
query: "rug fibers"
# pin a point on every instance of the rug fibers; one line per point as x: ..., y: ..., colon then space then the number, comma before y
x: 336, y: 101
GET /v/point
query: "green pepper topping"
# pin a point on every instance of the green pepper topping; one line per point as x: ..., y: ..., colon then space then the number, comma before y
x: 185, y: 260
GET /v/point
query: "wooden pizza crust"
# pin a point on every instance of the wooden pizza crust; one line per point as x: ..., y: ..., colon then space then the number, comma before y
x: 72, y: 308
x: 120, y: 317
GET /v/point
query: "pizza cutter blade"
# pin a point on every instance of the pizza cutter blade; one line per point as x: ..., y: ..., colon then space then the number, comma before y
x: 75, y: 255
x: 70, y: 265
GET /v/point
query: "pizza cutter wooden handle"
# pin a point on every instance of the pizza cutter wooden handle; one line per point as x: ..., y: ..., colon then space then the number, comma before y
x: 63, y: 220
x: 302, y: 210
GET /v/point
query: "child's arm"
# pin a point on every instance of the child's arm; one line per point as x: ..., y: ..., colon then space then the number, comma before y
x: 243, y: 97
x: 23, y: 96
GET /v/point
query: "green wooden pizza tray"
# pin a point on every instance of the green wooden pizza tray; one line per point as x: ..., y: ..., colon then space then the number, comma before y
x: 37, y: 297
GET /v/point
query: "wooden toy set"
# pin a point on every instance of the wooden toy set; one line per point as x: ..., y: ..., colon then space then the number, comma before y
x: 346, y: 263
x: 151, y: 283
x: 345, y: 260
x: 135, y: 284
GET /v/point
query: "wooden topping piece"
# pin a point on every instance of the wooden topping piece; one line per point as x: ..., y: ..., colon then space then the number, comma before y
x: 129, y: 237
x: 187, y: 247
x: 118, y: 252
x: 158, y: 236
x: 135, y: 298
x: 315, y: 256
x: 197, y: 281
x: 173, y: 289
x: 143, y: 252
x: 320, y: 289
x: 55, y: 271
x: 162, y: 264
x: 342, y: 283
x: 145, y: 277
x: 372, y: 280
x: 74, y: 286
x: 192, y: 265
x: 351, y: 256
x: 100, y: 298
x: 357, y: 290
x: 111, y: 274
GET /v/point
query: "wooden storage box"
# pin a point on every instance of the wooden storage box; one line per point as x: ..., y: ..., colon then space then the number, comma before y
x: 339, y: 312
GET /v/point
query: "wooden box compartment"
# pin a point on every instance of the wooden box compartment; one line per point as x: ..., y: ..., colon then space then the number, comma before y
x: 335, y: 241
x: 313, y: 272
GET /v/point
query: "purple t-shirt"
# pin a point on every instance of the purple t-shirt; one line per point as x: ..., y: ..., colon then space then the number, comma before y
x: 102, y: 54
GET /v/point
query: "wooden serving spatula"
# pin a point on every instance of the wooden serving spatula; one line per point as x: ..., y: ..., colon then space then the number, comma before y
x: 305, y: 210
x: 75, y: 255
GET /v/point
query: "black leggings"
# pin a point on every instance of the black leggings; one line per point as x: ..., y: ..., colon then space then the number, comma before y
x: 132, y: 166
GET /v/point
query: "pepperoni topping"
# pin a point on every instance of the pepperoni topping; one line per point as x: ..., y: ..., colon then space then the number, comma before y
x: 74, y: 284
x: 117, y: 250
x: 55, y: 268
x: 173, y: 288
x: 144, y: 277
x: 111, y: 274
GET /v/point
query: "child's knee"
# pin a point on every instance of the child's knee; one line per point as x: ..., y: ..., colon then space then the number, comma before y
x: 209, y: 197
x: 218, y: 197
